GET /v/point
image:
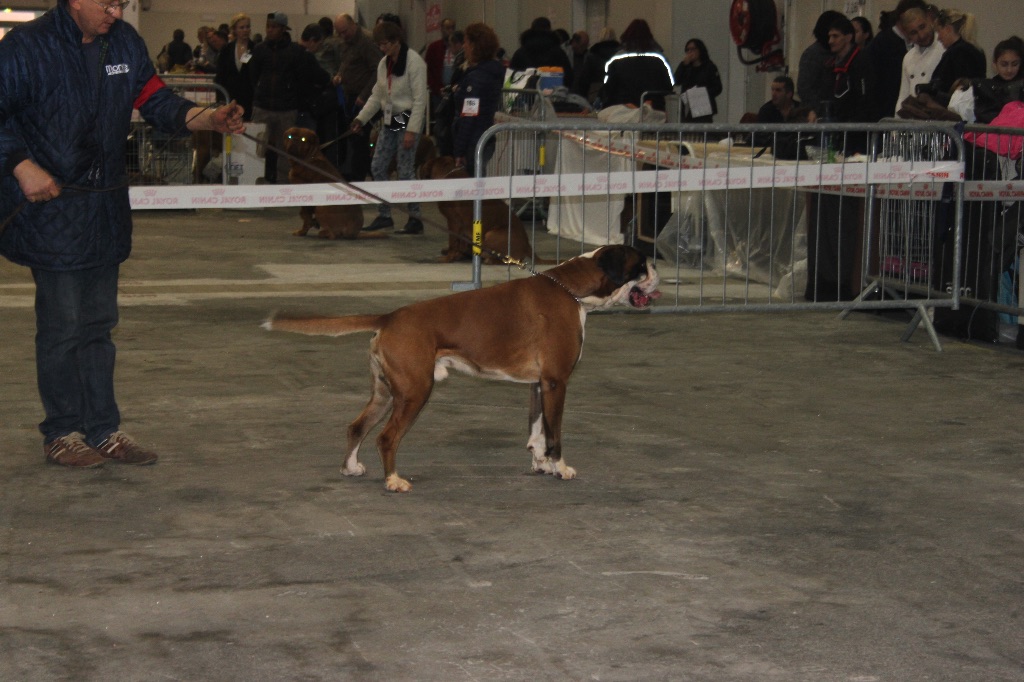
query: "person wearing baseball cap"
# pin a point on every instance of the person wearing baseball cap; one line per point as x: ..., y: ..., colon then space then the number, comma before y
x: 279, y: 18
x: 282, y: 72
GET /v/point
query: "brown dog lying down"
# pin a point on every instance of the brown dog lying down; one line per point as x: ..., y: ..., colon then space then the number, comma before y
x: 335, y: 222
x: 524, y: 330
x: 497, y: 220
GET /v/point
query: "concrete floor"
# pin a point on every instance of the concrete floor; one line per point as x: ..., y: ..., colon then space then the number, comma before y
x: 786, y: 497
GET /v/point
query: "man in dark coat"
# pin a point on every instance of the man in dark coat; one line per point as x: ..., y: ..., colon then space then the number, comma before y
x: 539, y: 46
x: 883, y: 57
x: 283, y: 74
x: 69, y: 81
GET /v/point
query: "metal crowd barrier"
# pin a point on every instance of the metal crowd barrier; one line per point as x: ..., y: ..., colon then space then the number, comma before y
x: 156, y: 158
x: 733, y: 226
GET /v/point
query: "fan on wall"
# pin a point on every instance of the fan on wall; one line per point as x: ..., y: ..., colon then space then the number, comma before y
x: 754, y: 25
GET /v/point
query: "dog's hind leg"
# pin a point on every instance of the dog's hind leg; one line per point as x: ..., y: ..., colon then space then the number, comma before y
x: 410, y: 395
x: 378, y: 406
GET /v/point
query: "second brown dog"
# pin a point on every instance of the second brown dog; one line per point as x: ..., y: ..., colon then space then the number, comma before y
x: 335, y: 222
x: 503, y: 231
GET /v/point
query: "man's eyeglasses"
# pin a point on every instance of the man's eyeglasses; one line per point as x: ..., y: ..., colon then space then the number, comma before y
x: 115, y: 6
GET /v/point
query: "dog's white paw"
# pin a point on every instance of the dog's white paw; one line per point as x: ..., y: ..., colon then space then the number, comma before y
x: 541, y: 464
x: 396, y: 484
x: 358, y: 469
x: 564, y: 472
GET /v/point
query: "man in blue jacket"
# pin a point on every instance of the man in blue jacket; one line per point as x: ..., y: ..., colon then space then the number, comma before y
x: 68, y: 83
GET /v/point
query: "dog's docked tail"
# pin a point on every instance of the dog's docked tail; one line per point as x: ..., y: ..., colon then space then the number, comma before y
x: 323, y: 326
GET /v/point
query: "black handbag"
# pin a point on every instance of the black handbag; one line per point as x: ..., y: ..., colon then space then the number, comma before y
x: 400, y: 120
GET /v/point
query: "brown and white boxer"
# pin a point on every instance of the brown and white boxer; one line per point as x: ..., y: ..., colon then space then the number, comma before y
x: 525, y: 330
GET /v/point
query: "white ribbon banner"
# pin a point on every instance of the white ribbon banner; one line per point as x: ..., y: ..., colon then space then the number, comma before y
x: 897, y: 180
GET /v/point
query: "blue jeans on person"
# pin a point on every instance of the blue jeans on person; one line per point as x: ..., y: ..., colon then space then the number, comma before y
x: 388, y: 148
x: 75, y: 313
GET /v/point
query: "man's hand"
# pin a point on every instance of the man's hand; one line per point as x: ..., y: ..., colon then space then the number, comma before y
x: 408, y: 140
x: 223, y: 119
x: 36, y: 184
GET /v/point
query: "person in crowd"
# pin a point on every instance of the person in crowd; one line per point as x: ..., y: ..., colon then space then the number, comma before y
x: 862, y: 31
x: 326, y: 25
x: 917, y: 21
x: 179, y: 53
x: 698, y: 71
x: 477, y: 95
x: 782, y: 103
x: 579, y: 45
x: 962, y: 58
x: 321, y: 102
x: 587, y: 83
x: 638, y: 67
x: 65, y: 199
x: 401, y: 95
x: 393, y: 18
x: 814, y: 78
x: 444, y: 111
x: 282, y: 73
x: 1006, y: 84
x: 216, y: 41
x: 884, y: 59
x: 233, y: 66
x: 440, y: 59
x: 850, y: 97
x: 201, y: 48
x: 357, y: 72
x: 782, y: 107
x: 312, y: 40
x: 539, y: 46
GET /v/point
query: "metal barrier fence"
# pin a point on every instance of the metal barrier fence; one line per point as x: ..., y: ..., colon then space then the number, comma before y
x: 156, y: 158
x: 736, y: 227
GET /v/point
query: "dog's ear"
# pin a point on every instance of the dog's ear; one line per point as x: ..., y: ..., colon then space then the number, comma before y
x: 621, y: 263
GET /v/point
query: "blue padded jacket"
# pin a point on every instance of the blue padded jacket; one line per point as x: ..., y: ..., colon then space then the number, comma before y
x: 51, y: 111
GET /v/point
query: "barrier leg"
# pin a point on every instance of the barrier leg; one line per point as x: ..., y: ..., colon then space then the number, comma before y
x: 921, y: 317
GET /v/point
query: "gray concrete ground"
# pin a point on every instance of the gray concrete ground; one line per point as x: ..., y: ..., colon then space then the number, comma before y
x: 786, y: 497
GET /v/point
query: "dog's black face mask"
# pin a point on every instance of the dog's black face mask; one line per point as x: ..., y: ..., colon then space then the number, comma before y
x: 622, y: 265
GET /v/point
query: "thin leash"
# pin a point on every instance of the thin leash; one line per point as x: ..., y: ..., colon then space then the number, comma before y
x: 342, y: 183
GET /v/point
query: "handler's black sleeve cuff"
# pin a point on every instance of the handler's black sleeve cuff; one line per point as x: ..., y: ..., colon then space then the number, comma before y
x: 13, y: 159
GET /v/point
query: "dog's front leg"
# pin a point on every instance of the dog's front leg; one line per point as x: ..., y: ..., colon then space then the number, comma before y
x: 306, y: 212
x: 537, y: 444
x: 553, y: 404
x: 547, y: 400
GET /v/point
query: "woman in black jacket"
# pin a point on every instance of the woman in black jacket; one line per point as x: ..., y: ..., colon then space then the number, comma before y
x: 233, y: 64
x: 962, y: 59
x: 639, y: 68
x: 698, y: 71
x: 477, y: 94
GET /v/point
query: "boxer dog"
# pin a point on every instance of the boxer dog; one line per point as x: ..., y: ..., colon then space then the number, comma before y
x: 341, y: 221
x: 525, y: 330
x: 503, y: 231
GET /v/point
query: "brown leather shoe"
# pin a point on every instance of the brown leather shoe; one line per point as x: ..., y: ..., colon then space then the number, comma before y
x: 121, y: 447
x: 72, y: 451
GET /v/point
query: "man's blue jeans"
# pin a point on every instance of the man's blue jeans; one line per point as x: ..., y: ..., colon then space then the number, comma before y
x: 75, y: 313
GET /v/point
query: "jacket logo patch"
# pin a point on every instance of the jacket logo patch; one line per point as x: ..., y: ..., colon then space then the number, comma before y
x: 114, y: 69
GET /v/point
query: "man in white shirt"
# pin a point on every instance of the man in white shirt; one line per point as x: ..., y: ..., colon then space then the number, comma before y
x: 918, y: 25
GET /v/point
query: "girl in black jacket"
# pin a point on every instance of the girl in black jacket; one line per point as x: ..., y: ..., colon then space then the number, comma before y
x: 698, y: 71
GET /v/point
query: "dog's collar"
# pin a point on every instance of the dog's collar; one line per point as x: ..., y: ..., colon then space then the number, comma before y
x: 564, y: 288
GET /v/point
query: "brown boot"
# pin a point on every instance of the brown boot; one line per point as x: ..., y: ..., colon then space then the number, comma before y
x: 121, y: 447
x: 72, y: 451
